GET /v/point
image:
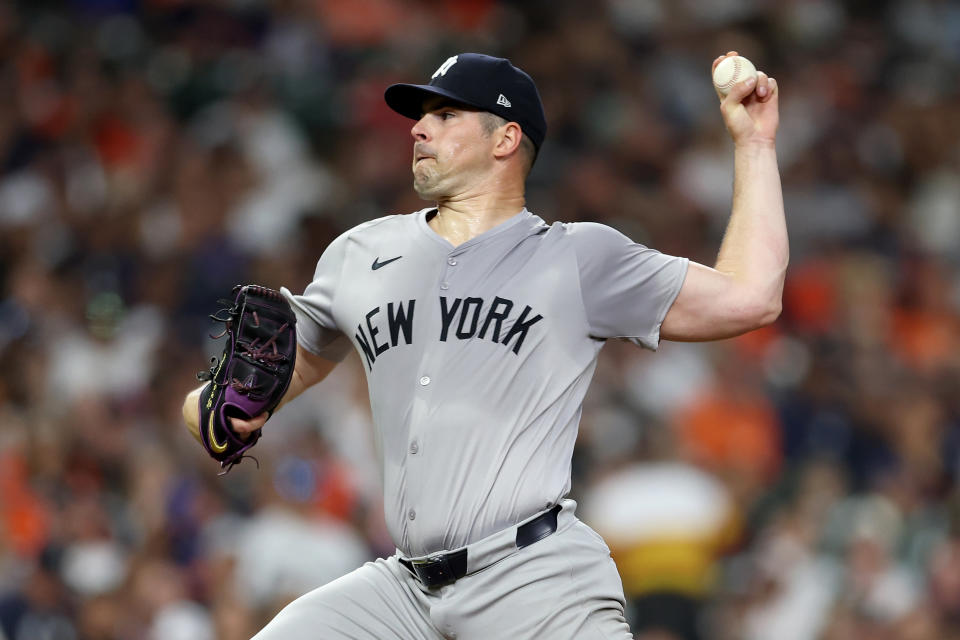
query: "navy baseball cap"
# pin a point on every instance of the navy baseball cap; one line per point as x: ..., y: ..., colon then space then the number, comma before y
x: 480, y: 81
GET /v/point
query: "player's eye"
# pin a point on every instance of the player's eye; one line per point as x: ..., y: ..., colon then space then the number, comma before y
x: 446, y: 115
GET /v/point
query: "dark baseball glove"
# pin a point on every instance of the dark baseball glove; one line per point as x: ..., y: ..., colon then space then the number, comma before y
x: 253, y: 373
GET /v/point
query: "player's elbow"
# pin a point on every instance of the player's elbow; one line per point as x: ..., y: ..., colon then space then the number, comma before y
x: 762, y: 313
x: 752, y: 310
x: 759, y: 303
x: 770, y: 313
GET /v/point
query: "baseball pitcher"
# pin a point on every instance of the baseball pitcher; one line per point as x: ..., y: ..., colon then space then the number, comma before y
x: 478, y: 326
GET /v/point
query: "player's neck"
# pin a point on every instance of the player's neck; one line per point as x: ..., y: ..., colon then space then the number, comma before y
x: 460, y: 220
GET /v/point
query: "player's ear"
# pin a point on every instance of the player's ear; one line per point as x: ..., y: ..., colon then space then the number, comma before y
x: 508, y: 140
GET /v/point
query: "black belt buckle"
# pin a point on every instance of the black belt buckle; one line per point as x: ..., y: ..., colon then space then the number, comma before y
x: 435, y: 571
x: 439, y: 570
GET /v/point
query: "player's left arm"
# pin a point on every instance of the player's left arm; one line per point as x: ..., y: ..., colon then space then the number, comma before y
x: 744, y: 288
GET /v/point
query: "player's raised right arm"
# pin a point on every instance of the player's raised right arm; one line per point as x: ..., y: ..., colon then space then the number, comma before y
x: 308, y: 371
x: 743, y: 290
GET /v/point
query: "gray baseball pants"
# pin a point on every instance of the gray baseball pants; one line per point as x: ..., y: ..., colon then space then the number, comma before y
x: 563, y: 586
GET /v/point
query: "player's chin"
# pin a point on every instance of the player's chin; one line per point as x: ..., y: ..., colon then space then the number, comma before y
x: 425, y: 188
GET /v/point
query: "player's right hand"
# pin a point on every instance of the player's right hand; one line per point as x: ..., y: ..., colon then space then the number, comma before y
x: 751, y: 109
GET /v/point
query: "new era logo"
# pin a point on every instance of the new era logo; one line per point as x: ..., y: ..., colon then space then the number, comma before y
x: 502, y: 100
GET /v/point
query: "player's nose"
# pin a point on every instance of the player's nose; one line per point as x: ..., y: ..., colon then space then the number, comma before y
x: 419, y: 130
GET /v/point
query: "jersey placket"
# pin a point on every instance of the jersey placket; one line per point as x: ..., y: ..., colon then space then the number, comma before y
x: 428, y: 378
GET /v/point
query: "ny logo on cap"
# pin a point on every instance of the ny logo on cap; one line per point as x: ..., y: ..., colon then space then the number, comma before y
x: 502, y: 100
x: 442, y: 71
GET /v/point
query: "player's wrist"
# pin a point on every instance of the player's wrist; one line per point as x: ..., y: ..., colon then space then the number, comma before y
x: 754, y: 144
x: 191, y: 413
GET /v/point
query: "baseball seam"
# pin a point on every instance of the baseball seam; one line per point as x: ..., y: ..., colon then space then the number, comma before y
x: 733, y: 79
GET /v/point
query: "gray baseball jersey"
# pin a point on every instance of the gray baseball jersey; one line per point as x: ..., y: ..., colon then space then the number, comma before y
x: 478, y: 357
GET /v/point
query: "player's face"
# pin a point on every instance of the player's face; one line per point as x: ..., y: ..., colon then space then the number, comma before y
x: 450, y: 151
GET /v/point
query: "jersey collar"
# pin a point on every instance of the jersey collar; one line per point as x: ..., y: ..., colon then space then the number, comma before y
x: 522, y: 223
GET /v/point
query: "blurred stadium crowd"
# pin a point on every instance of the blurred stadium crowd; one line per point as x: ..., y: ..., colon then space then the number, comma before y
x: 798, y: 483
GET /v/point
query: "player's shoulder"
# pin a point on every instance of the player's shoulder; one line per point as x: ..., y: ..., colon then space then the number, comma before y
x: 371, y: 229
x: 388, y: 224
x: 591, y: 242
x: 587, y: 234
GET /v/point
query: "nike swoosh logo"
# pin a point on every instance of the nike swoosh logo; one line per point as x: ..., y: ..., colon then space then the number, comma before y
x: 377, y: 264
x: 216, y: 446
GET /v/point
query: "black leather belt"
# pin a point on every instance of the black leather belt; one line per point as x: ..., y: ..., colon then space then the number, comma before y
x: 443, y: 569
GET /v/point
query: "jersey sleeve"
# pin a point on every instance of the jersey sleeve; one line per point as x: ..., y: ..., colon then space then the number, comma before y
x: 626, y: 288
x: 317, y: 329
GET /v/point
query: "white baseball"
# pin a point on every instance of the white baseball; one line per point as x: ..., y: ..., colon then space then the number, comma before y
x: 730, y: 71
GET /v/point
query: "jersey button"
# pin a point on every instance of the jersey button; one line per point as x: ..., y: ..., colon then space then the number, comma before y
x: 444, y: 286
x: 451, y: 262
x: 414, y: 447
x: 412, y: 514
x: 424, y: 381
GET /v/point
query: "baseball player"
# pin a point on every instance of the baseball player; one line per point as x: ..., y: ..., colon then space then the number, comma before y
x: 479, y: 326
